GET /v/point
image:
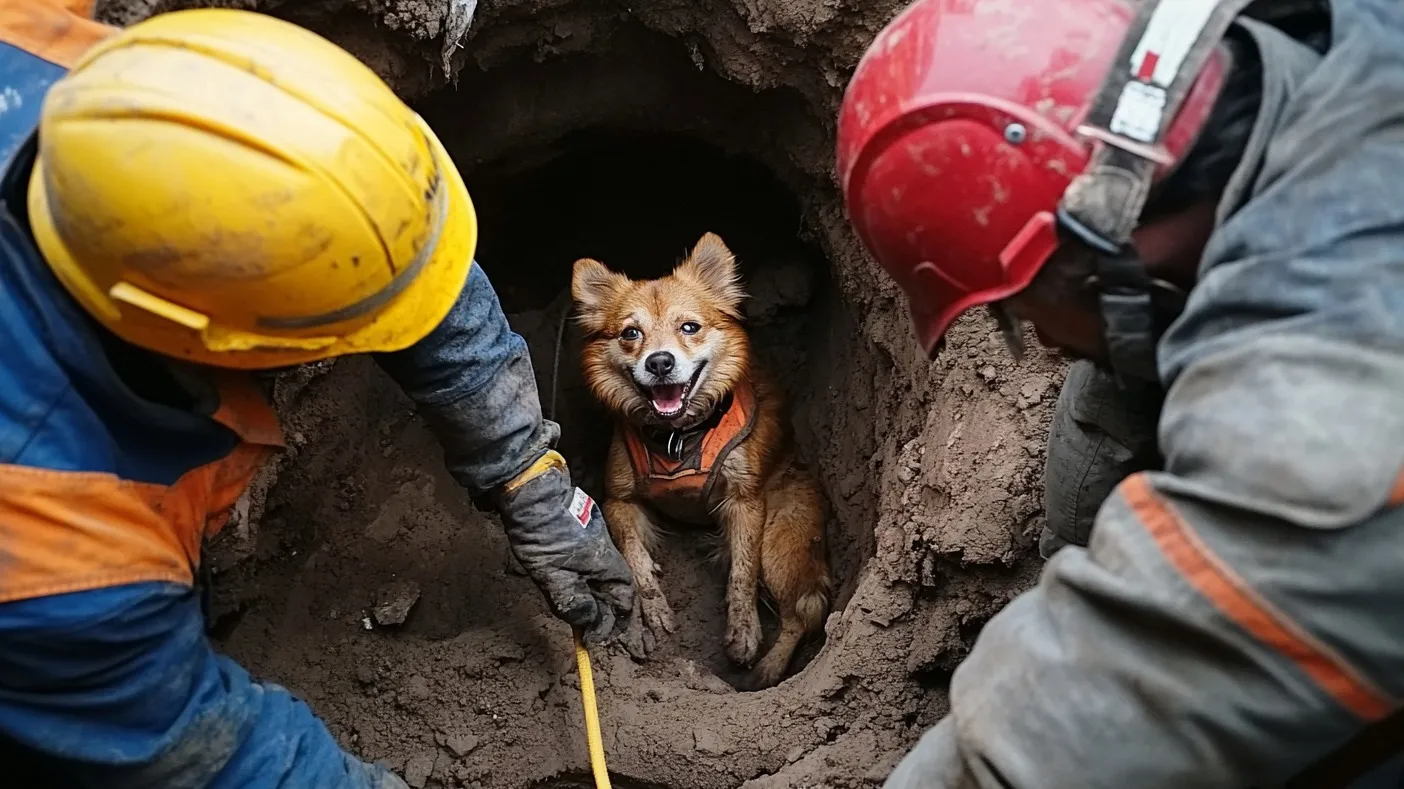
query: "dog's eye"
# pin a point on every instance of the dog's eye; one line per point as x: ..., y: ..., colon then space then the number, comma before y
x: 690, y: 328
x: 630, y: 333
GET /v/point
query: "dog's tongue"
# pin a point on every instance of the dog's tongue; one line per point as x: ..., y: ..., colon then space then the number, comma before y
x: 667, y: 398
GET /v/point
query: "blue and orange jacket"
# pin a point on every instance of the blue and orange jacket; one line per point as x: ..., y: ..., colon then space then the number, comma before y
x: 113, y: 464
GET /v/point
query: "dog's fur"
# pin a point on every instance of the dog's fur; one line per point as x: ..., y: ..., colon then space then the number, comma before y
x: 769, y: 508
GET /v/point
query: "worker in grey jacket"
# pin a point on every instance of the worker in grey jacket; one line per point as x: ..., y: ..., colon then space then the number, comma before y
x: 1202, y: 202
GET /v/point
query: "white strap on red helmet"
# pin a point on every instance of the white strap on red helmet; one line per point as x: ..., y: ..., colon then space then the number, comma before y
x: 1168, y: 45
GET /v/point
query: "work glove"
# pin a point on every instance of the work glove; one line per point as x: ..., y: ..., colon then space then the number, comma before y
x: 472, y: 380
x: 558, y: 534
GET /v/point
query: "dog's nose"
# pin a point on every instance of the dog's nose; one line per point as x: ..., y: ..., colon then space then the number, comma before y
x: 660, y: 364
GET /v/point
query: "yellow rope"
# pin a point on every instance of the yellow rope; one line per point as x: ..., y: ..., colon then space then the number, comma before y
x: 592, y: 715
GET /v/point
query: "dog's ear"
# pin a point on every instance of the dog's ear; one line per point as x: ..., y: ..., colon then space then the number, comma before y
x: 592, y: 286
x: 712, y: 265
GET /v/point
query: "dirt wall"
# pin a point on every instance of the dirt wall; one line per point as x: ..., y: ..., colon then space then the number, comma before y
x: 931, y: 470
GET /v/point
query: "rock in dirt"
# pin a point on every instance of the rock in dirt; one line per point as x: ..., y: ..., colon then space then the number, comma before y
x: 416, y: 689
x: 418, y: 769
x: 695, y: 678
x: 393, y: 602
x: 826, y: 727
x: 365, y: 674
x: 709, y: 742
x: 462, y: 745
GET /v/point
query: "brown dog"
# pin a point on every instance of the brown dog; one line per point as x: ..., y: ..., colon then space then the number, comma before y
x: 701, y: 438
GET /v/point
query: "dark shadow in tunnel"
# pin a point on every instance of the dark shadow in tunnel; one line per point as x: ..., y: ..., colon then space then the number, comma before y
x: 635, y: 202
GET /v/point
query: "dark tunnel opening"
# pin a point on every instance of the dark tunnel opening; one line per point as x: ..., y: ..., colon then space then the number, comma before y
x: 635, y: 202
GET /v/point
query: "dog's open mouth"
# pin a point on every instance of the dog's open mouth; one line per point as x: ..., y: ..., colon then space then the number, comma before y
x: 669, y: 400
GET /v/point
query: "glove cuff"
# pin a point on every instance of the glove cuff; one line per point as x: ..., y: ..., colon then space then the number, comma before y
x: 536, y: 497
x: 548, y: 461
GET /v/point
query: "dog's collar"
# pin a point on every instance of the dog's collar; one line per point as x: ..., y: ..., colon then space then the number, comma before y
x: 676, y: 444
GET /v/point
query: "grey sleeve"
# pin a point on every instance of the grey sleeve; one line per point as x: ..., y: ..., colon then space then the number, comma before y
x: 1191, y: 645
x: 1102, y: 433
x: 473, y: 382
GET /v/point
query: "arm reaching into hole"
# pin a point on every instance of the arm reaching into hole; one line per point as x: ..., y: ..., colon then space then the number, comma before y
x: 473, y: 381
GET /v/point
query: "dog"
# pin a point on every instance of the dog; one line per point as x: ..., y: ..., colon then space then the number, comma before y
x: 700, y: 437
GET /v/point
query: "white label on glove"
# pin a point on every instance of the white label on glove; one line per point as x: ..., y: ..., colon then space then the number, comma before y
x: 580, y: 506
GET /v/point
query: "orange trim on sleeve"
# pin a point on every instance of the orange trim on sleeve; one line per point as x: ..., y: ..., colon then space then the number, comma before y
x: 1396, y: 493
x: 59, y: 31
x: 1232, y: 596
x: 66, y: 532
x: 63, y: 531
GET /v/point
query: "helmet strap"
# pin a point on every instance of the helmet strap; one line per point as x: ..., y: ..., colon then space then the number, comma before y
x: 1010, y: 329
x: 1159, y: 60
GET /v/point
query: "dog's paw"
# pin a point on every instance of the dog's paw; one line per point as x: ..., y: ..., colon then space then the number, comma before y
x: 658, y: 616
x: 760, y: 678
x: 743, y: 638
x: 767, y: 673
x: 638, y: 640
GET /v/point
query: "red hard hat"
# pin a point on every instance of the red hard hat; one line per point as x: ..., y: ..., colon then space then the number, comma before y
x: 959, y: 134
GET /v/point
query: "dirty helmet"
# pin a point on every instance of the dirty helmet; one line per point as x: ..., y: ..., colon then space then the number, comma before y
x: 227, y: 188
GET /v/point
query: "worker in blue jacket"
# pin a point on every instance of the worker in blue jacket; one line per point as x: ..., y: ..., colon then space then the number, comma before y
x: 204, y: 194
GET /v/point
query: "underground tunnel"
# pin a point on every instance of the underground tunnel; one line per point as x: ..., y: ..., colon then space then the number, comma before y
x: 627, y: 149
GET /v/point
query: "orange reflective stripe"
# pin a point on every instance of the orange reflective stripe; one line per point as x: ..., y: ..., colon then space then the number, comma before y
x: 1232, y: 596
x: 67, y: 532
x: 71, y: 531
x: 59, y: 31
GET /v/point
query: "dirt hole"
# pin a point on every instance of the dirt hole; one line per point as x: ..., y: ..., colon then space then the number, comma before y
x: 627, y: 157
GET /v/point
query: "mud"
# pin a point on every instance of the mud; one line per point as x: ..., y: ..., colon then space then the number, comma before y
x: 622, y: 131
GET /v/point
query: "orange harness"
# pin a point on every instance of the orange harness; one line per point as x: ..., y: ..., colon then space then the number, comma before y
x: 671, y: 464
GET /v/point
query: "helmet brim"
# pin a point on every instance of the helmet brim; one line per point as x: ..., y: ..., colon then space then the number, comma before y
x: 405, y: 320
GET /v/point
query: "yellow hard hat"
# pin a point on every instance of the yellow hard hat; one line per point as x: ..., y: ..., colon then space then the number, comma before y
x: 228, y: 188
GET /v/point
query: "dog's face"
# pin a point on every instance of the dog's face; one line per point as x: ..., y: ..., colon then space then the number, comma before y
x: 663, y: 352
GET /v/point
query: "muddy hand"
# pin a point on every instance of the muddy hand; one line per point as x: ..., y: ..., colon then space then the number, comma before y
x: 558, y: 534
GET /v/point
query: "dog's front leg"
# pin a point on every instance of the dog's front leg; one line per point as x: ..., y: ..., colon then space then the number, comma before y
x: 633, y: 532
x: 743, y: 518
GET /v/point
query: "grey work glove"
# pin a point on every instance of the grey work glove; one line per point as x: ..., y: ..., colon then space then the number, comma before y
x: 558, y: 534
